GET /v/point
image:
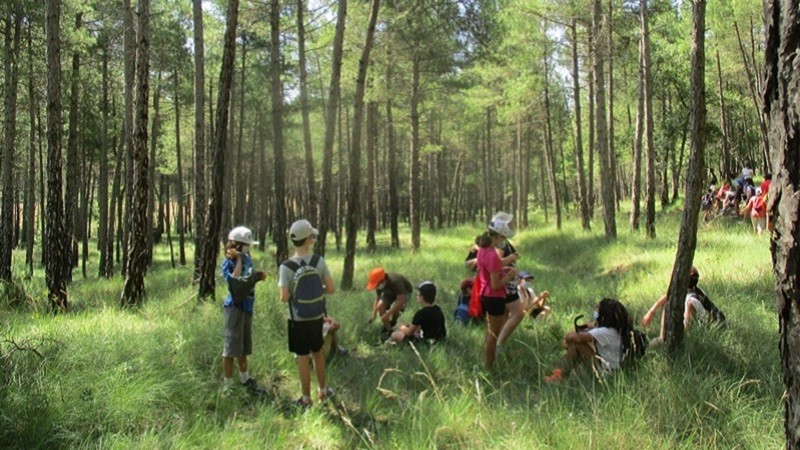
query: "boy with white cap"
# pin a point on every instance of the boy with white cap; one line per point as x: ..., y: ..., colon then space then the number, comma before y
x: 237, y: 269
x: 306, y: 272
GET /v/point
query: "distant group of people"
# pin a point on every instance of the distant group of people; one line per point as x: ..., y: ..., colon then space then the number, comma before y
x: 499, y: 294
x: 727, y: 200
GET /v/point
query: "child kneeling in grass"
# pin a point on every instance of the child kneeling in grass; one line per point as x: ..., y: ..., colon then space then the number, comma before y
x: 428, y: 322
x: 601, y: 347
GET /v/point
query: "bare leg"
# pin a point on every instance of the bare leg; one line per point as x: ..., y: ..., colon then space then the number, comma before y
x: 227, y: 367
x: 517, y: 313
x: 495, y: 324
x: 319, y: 370
x: 304, y: 367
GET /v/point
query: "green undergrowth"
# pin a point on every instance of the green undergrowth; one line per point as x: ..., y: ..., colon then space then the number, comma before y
x: 104, y: 377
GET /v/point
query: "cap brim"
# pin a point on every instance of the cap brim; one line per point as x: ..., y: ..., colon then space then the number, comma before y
x: 371, y: 286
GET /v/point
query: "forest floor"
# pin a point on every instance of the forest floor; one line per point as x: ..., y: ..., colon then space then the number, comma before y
x: 151, y: 378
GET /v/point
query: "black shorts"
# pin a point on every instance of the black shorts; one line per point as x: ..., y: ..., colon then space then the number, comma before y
x: 493, y: 306
x: 305, y: 336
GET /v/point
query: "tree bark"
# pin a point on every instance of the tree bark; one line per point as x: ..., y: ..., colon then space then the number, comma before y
x: 130, y: 60
x: 179, y: 164
x: 326, y: 207
x: 11, y: 78
x: 723, y: 125
x: 133, y: 290
x: 153, y: 233
x: 372, y: 157
x: 105, y: 239
x: 548, y: 148
x: 311, y: 208
x: 586, y: 223
x: 752, y: 85
x: 199, y: 137
x: 650, y: 150
x: 220, y: 139
x: 687, y: 238
x: 612, y: 152
x: 30, y: 204
x: 279, y: 165
x: 391, y: 163
x: 414, y: 175
x: 353, y: 205
x: 56, y: 265
x: 636, y: 183
x: 601, y: 141
x: 71, y: 191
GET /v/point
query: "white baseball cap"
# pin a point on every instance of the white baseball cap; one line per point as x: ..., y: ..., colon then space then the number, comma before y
x: 502, y: 227
x: 243, y: 235
x: 302, y: 229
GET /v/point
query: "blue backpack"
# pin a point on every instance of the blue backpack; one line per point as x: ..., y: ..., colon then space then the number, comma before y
x: 308, y: 295
x: 462, y: 310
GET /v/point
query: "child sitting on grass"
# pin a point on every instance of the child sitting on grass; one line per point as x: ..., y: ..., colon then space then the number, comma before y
x: 428, y: 322
x: 535, y: 305
x: 600, y: 347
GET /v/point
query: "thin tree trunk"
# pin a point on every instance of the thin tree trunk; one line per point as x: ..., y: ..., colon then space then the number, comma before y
x: 414, y: 175
x: 751, y: 84
x: 240, y: 187
x: 130, y: 60
x: 276, y: 89
x: 199, y: 137
x: 56, y: 266
x: 548, y: 146
x: 592, y: 137
x: 104, y: 239
x: 220, y: 139
x: 636, y: 188
x: 650, y: 150
x: 723, y: 124
x: 311, y: 208
x: 606, y: 177
x: 391, y: 162
x: 612, y: 152
x: 326, y: 207
x: 687, y: 238
x: 372, y: 157
x: 179, y: 164
x: 30, y: 203
x: 166, y: 201
x: 133, y: 290
x: 11, y: 76
x: 586, y: 223
x: 353, y: 204
x: 153, y: 232
x: 72, y: 178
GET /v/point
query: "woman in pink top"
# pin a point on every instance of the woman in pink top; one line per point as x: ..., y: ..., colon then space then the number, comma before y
x: 494, y: 278
x: 757, y: 207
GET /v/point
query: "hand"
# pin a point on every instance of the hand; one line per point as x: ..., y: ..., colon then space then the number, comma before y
x: 232, y: 253
x: 512, y: 272
x: 544, y: 294
x: 646, y: 319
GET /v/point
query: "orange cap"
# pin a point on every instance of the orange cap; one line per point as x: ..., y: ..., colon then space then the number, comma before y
x: 376, y: 276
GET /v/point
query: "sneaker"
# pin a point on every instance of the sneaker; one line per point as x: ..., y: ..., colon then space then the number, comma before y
x: 554, y: 377
x: 303, y: 403
x: 252, y: 385
x: 325, y: 394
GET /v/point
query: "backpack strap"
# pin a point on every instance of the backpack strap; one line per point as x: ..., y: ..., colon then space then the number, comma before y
x: 314, y: 261
x: 293, y: 266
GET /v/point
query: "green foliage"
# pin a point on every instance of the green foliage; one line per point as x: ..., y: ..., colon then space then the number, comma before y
x: 102, y: 377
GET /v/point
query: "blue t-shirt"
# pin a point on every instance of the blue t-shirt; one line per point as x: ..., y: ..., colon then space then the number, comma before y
x: 227, y: 272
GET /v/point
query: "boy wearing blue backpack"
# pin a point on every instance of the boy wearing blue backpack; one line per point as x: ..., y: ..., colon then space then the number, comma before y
x: 304, y: 279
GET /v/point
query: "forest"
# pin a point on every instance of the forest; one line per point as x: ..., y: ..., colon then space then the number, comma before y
x: 137, y: 133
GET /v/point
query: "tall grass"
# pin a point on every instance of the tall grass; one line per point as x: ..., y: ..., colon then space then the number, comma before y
x: 150, y: 378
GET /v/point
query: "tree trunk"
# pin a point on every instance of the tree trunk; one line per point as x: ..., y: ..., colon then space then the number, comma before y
x: 636, y: 188
x: 548, y: 147
x: 240, y: 187
x: 752, y: 85
x: 592, y: 137
x: 276, y: 89
x: 220, y: 139
x: 165, y: 200
x: 11, y: 78
x: 311, y: 208
x: 199, y: 137
x: 414, y: 175
x: 353, y: 204
x: 723, y: 125
x: 372, y: 157
x: 130, y: 60
x: 586, y: 223
x: 30, y: 189
x: 782, y: 83
x: 72, y: 178
x: 687, y: 239
x: 650, y: 150
x: 104, y: 239
x: 57, y: 264
x: 606, y: 176
x: 179, y: 164
x: 153, y: 233
x: 391, y: 163
x: 326, y: 207
x: 133, y: 290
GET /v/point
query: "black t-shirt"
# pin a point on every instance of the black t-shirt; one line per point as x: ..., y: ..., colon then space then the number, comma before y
x: 431, y: 320
x: 394, y: 285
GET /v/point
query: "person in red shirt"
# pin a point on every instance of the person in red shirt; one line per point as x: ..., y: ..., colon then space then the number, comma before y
x: 757, y: 207
x: 765, y: 184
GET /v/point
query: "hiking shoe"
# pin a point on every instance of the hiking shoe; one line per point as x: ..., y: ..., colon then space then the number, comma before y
x: 303, y: 403
x: 252, y: 385
x: 554, y: 377
x: 325, y: 394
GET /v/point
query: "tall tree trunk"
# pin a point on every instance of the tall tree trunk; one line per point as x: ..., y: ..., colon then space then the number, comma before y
x: 311, y: 208
x: 179, y: 164
x: 276, y: 89
x: 133, y: 290
x: 104, y: 239
x: 548, y: 147
x: 72, y: 178
x: 30, y: 204
x: 601, y: 141
x: 723, y: 125
x: 129, y: 49
x: 353, y: 204
x: 11, y: 77
x: 752, y: 85
x: 240, y: 187
x: 56, y: 266
x: 782, y: 82
x: 650, y: 150
x: 636, y: 188
x: 414, y: 176
x: 326, y: 207
x: 372, y: 158
x: 220, y: 139
x: 586, y: 223
x: 199, y: 137
x: 391, y: 162
x: 592, y: 139
x: 612, y: 152
x: 687, y: 238
x: 153, y: 233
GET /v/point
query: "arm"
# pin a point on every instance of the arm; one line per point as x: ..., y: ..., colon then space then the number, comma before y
x: 330, y: 286
x: 656, y: 306
x: 514, y: 257
x: 374, y: 310
x: 398, y: 304
x: 285, y: 294
x: 498, y: 282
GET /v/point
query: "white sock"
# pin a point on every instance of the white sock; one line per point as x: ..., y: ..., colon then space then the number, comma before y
x: 244, y: 376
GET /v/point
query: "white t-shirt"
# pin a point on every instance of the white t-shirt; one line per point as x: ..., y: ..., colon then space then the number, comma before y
x: 747, y: 173
x: 699, y: 310
x: 608, y: 345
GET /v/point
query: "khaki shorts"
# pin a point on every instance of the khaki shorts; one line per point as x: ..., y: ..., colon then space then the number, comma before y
x: 237, y: 332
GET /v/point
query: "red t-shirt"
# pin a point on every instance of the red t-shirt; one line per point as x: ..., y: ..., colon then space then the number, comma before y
x: 489, y: 263
x: 765, y: 186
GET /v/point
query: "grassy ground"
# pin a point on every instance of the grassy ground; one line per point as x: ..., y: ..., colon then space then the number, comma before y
x: 103, y: 377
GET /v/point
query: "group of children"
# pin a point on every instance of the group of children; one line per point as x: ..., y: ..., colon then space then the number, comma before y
x: 727, y: 200
x: 499, y: 293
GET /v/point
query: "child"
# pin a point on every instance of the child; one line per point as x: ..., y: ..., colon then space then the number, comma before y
x: 392, y: 291
x: 757, y: 208
x: 707, y: 203
x: 237, y: 269
x: 300, y: 274
x: 535, y: 305
x: 462, y: 308
x: 428, y: 322
x: 697, y: 304
x: 600, y: 348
